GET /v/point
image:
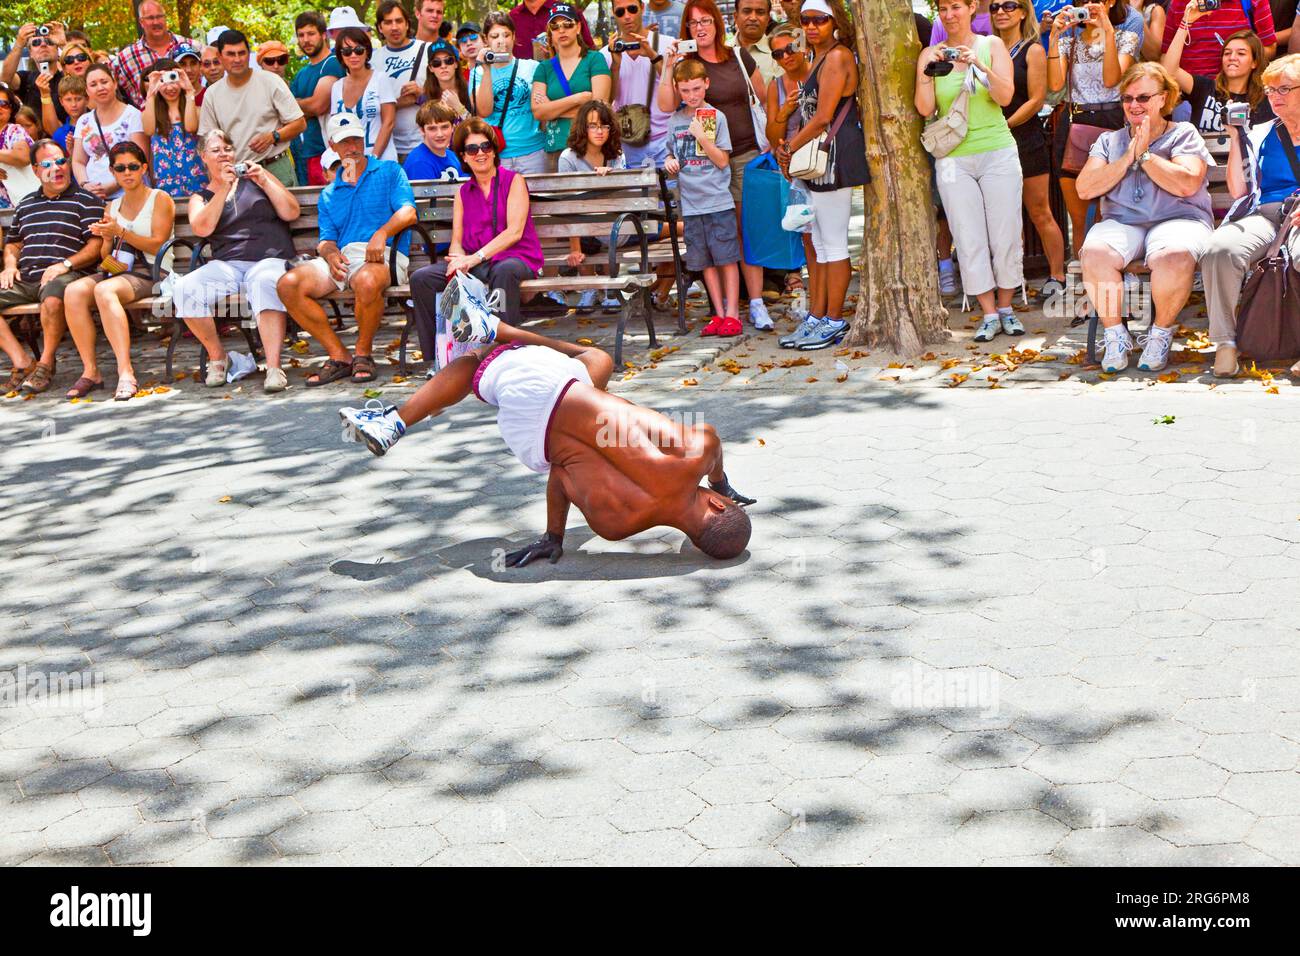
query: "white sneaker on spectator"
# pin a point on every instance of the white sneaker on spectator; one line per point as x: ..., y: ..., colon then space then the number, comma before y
x: 241, y: 365
x: 1155, y: 352
x: 1118, y: 344
x: 990, y: 327
x: 1198, y: 285
x: 216, y: 374
x: 557, y: 297
x: 612, y: 304
x: 758, y: 315
x: 275, y: 381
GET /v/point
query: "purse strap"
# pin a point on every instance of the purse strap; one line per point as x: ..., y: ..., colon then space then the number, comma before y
x: 650, y: 81
x: 510, y: 91
x: 838, y: 122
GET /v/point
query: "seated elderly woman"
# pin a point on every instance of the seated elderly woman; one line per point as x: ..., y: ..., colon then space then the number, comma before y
x: 1150, y: 176
x: 246, y: 220
x: 1253, y: 221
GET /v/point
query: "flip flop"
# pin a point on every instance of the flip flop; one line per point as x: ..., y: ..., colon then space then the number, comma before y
x: 331, y: 371
x: 83, y: 387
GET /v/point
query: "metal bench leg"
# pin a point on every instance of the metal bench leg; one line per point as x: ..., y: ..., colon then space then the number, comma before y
x: 1093, y: 323
x: 642, y: 298
x: 406, y: 334
x: 178, y: 327
x: 253, y: 337
x: 338, y: 315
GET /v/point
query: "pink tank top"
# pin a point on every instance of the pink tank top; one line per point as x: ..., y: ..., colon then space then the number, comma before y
x: 480, y: 225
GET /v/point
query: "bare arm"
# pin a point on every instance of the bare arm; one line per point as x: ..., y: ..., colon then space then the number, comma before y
x: 1036, y: 81
x: 1182, y: 175
x: 1099, y: 177
x: 160, y: 226
x: 20, y: 154
x: 318, y: 102
x: 1236, y: 176
x: 484, y: 104
x: 204, y: 214
x: 547, y: 109
x: 836, y: 73
x: 1174, y: 55
x: 387, y: 119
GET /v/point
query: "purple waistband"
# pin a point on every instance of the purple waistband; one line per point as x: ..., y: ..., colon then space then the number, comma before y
x: 487, y: 360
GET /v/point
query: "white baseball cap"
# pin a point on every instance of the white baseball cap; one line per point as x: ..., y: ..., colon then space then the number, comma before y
x: 329, y: 158
x: 216, y: 32
x: 343, y: 126
x: 341, y: 17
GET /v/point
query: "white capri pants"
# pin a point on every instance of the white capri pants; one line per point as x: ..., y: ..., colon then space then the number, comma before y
x: 1140, y: 242
x: 830, y: 225
x: 982, y: 195
x: 195, y: 294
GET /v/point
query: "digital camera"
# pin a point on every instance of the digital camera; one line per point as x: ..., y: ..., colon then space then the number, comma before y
x: 950, y: 54
x: 241, y: 170
x: 686, y: 46
x: 623, y: 46
x: 1238, y: 114
x: 42, y: 31
x: 1205, y: 6
x: 171, y: 76
x: 1078, y: 15
x: 492, y: 56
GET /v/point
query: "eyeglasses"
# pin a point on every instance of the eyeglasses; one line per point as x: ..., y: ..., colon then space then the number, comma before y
x: 1009, y: 7
x: 276, y: 60
x: 441, y: 61
x: 814, y: 19
x: 7, y: 105
x: 127, y: 167
x: 53, y: 163
x: 209, y: 64
x: 782, y: 52
x: 597, y: 128
x: 473, y: 149
x: 1278, y: 90
x: 352, y: 51
x: 633, y: 9
x: 76, y: 58
x: 1141, y: 100
x: 694, y: 24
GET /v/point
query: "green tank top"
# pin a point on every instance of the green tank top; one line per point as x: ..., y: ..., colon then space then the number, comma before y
x: 987, y: 128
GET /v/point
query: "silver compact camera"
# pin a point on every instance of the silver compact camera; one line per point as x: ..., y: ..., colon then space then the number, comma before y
x: 950, y: 54
x: 171, y: 76
x: 491, y: 56
x: 1238, y: 114
x: 1078, y: 15
x: 241, y: 170
x: 686, y: 46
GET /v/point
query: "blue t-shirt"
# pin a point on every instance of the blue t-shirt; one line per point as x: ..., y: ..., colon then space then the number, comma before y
x: 1276, y: 181
x: 310, y: 143
x: 354, y: 213
x: 521, y: 129
x: 424, y: 163
x: 61, y: 135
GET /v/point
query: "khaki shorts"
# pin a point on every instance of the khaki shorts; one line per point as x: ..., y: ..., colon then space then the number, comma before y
x: 738, y: 162
x: 355, y: 254
x: 31, y: 293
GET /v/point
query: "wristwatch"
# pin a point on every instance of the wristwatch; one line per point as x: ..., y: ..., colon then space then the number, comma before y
x: 275, y: 137
x: 1146, y: 155
x: 67, y: 264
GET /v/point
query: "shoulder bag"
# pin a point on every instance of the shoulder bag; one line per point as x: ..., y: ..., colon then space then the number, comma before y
x: 810, y: 160
x: 633, y: 118
x: 757, y: 114
x: 1268, y: 311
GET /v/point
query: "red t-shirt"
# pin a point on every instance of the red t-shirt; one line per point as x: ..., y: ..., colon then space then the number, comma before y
x: 1203, y: 53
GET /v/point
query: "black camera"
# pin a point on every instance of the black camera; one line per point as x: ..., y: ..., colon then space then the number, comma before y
x: 42, y: 31
x: 1205, y: 6
x: 937, y: 68
x: 623, y: 46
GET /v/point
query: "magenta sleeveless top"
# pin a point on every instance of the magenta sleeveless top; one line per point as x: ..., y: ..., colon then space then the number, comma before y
x: 479, y: 226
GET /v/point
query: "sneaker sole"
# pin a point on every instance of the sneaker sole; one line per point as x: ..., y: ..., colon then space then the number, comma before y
x: 814, y: 346
x: 376, y: 449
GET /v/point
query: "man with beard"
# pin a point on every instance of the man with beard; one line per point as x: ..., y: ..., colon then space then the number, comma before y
x: 311, y: 88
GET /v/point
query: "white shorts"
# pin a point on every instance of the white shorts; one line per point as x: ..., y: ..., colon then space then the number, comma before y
x: 526, y: 383
x: 195, y: 296
x: 355, y: 254
x: 1138, y: 242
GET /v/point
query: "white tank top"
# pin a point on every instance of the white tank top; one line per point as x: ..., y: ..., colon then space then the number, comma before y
x: 141, y: 225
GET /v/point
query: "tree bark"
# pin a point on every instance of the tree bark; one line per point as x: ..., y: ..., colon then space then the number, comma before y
x: 899, y: 307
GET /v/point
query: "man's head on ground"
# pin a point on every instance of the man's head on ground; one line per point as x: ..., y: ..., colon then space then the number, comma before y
x: 52, y: 166
x: 393, y: 23
x: 752, y: 20
x: 309, y: 31
x: 210, y: 64
x: 719, y: 527
x: 437, y: 122
x: 153, y: 22
x: 232, y: 45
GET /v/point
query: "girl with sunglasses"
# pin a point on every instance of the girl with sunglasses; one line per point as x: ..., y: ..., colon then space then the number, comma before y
x: 171, y: 121
x: 1016, y: 25
x: 76, y: 61
x: 575, y: 75
x: 365, y: 93
x: 443, y: 80
x: 15, y: 150
x: 503, y: 96
x: 108, y: 122
x: 135, y: 226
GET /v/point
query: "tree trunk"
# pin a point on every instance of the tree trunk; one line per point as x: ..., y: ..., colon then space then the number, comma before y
x: 898, y: 301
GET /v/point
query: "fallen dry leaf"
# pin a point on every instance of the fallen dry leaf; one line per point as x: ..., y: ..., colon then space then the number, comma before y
x: 762, y: 442
x: 842, y: 378
x: 689, y: 381
x: 586, y: 342
x: 795, y: 363
x: 1168, y: 377
x: 223, y: 499
x: 812, y: 379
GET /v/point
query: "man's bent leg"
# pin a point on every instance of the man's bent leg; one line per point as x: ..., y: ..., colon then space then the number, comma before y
x: 451, y: 385
x: 298, y: 290
x: 53, y: 326
x: 369, y: 284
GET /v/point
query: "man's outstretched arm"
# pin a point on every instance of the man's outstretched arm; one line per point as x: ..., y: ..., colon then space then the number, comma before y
x: 551, y: 544
x: 717, y: 476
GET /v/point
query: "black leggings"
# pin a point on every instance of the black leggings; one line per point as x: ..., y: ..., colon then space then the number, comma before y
x: 428, y: 281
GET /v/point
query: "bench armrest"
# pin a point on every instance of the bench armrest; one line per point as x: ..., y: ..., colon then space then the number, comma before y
x: 166, y: 247
x: 613, y: 241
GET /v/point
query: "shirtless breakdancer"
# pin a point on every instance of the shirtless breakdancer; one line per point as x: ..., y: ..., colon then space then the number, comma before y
x: 627, y: 468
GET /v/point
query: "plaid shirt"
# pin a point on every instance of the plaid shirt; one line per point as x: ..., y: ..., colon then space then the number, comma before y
x: 130, y: 64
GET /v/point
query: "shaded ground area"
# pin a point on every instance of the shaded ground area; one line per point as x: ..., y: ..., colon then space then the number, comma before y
x: 973, y: 626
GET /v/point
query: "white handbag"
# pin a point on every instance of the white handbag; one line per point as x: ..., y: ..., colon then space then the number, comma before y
x: 811, y: 159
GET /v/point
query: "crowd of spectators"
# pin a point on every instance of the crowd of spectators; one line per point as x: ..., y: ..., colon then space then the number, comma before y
x: 226, y: 127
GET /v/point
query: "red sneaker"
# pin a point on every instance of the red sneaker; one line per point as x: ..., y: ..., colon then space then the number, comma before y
x: 730, y: 326
x: 716, y: 324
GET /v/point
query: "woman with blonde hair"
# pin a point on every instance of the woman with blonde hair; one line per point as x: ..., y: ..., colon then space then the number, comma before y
x: 1150, y: 176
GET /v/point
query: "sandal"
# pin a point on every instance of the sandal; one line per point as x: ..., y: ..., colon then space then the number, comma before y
x: 39, y: 380
x: 331, y: 371
x: 126, y: 388
x: 16, y: 378
x: 363, y: 369
x: 83, y: 387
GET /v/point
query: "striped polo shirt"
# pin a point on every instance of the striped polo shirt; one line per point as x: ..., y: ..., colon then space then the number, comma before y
x: 52, y: 230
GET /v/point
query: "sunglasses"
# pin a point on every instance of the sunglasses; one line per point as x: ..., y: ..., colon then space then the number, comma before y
x: 1142, y: 100
x: 352, y: 51
x: 473, y: 149
x: 209, y: 64
x: 561, y: 24
x: 1008, y: 7
x: 633, y: 9
x: 40, y: 41
x: 276, y: 60
x: 467, y: 38
x: 441, y: 61
x: 814, y: 19
x: 127, y: 167
x: 53, y: 163
x: 7, y: 105
x: 76, y: 58
x: 783, y: 52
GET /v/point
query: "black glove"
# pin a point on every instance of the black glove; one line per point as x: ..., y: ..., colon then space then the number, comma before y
x: 723, y: 487
x: 547, y: 546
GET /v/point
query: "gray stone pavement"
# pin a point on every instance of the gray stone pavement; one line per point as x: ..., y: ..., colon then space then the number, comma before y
x: 1015, y: 626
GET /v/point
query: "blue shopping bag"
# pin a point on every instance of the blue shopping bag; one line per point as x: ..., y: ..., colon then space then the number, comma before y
x: 764, y: 197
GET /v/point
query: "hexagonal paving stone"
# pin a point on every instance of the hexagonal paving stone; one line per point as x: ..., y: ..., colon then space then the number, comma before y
x: 154, y: 843
x: 1011, y: 833
x: 909, y: 773
x: 655, y: 810
x: 1279, y: 837
x: 1199, y: 820
x: 1264, y: 794
x: 740, y: 825
x: 252, y: 817
x: 1114, y: 846
x: 983, y: 749
x: 1249, y: 753
x: 91, y: 828
x: 1167, y: 778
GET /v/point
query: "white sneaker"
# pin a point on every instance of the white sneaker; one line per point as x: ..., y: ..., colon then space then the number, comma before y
x: 1118, y: 344
x: 377, y: 426
x: 758, y: 315
x: 241, y: 366
x: 275, y: 381
x: 216, y: 376
x: 1155, y: 352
